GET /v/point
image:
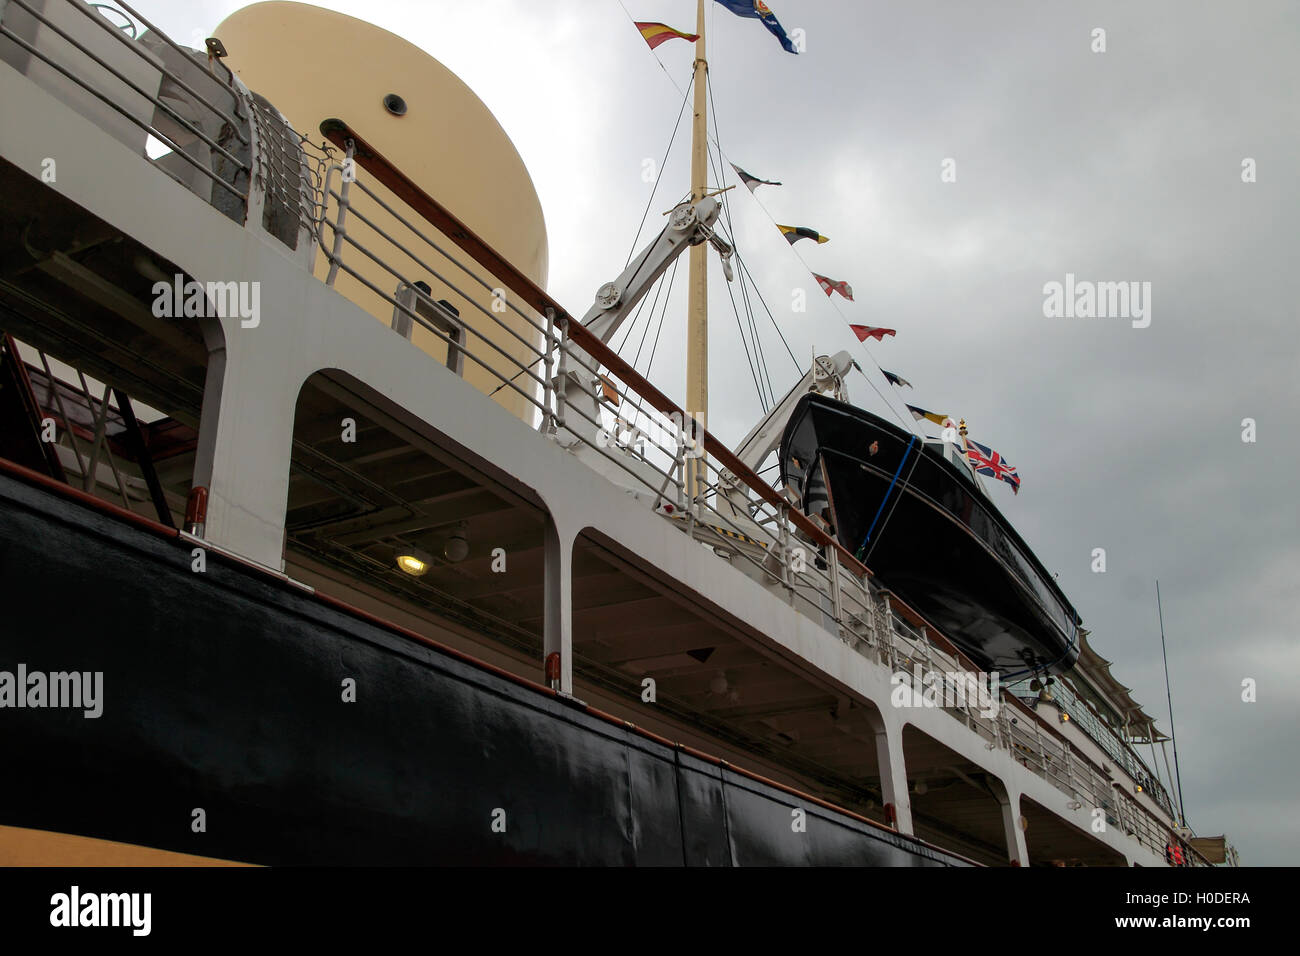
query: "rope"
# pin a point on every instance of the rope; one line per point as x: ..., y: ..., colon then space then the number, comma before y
x: 662, y: 165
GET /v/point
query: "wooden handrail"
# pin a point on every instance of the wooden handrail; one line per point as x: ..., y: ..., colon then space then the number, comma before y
x: 437, y: 215
x: 442, y: 219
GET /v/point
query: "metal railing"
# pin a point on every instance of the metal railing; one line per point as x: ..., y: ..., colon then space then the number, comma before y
x: 137, y: 89
x: 233, y: 140
x: 1085, y: 717
x: 733, y: 511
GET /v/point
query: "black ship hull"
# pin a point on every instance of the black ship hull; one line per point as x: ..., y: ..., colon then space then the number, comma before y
x: 223, y: 691
x: 931, y: 537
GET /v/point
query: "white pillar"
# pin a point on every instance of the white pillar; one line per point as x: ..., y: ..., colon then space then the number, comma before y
x: 1017, y: 848
x: 246, y: 439
x: 558, y: 618
x: 893, y: 773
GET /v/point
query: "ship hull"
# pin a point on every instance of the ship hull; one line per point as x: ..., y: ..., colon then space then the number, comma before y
x: 932, y: 538
x: 226, y: 691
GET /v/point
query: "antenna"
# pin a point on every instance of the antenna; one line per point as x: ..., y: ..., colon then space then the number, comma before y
x: 1173, y: 736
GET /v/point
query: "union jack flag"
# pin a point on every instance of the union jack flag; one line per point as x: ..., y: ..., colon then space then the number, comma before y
x: 989, y: 463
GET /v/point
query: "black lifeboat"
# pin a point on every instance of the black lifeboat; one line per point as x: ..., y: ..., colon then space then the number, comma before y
x: 915, y: 513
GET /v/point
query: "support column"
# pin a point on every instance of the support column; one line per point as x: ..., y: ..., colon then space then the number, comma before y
x: 246, y: 439
x: 1017, y: 848
x: 893, y: 773
x: 558, y: 629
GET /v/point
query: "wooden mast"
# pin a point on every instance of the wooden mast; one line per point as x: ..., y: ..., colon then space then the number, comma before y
x: 697, y: 328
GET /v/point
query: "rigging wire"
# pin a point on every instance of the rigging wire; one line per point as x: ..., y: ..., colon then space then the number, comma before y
x: 758, y: 363
x: 640, y: 399
x: 1173, y: 733
x: 753, y: 373
x: 762, y: 373
x: 720, y: 174
x: 910, y: 426
x: 658, y: 172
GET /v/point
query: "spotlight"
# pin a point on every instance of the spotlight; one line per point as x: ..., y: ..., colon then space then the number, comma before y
x: 457, y: 546
x: 413, y: 561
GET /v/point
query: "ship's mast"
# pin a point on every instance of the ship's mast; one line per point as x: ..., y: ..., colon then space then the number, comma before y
x: 697, y: 328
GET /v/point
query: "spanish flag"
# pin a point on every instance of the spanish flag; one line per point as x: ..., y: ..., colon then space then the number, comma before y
x: 794, y: 233
x: 657, y: 33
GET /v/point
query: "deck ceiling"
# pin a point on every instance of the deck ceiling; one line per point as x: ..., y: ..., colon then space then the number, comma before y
x: 1053, y: 841
x: 954, y: 802
x: 78, y: 289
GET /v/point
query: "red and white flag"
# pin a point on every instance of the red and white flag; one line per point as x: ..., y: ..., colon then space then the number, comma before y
x: 864, y: 332
x: 833, y: 285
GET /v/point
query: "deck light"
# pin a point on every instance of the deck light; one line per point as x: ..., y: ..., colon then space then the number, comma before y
x: 413, y: 561
x: 457, y: 546
x: 1065, y: 718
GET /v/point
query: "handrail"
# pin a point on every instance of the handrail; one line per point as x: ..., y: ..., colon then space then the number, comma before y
x: 437, y: 215
x: 433, y: 212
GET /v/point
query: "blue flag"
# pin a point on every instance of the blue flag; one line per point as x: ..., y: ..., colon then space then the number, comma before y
x: 758, y: 10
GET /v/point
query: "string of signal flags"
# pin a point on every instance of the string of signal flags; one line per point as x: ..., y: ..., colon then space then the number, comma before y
x: 654, y: 34
x: 985, y: 460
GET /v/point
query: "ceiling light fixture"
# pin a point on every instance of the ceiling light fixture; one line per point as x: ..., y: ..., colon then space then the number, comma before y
x: 413, y: 561
x: 457, y: 546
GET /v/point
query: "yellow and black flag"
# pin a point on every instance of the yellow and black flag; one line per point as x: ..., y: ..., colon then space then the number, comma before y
x: 921, y: 413
x: 794, y: 233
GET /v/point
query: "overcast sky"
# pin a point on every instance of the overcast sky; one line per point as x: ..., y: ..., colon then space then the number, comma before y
x: 1117, y: 166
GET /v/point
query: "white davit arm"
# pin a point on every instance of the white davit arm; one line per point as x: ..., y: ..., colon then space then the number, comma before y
x: 827, y: 376
x: 689, y: 224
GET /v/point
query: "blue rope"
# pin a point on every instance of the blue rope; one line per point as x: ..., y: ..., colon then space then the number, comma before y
x: 890, y: 489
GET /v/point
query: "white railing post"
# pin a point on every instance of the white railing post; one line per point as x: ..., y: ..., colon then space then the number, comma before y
x: 548, y: 383
x: 340, y: 223
x: 561, y: 371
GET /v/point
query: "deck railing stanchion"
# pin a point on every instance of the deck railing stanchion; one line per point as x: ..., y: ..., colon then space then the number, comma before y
x: 340, y: 221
